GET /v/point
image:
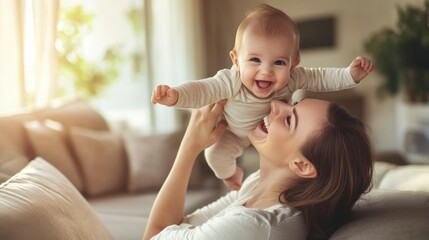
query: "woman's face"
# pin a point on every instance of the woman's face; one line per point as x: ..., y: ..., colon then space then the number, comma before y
x: 280, y: 136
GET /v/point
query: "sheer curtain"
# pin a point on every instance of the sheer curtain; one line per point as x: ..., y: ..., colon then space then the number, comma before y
x: 45, y: 18
x: 176, y: 51
x: 11, y: 51
x: 27, y: 53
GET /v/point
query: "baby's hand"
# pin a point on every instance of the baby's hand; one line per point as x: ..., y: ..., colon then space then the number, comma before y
x: 164, y: 95
x: 234, y: 182
x: 360, y: 68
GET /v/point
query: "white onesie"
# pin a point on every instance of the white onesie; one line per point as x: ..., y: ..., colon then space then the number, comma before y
x: 243, y: 111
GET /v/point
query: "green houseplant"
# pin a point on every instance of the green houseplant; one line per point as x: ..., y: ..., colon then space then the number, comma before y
x: 401, y: 55
x: 87, y: 77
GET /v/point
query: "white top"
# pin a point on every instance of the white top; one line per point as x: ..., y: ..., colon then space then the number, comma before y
x: 243, y: 111
x: 228, y: 219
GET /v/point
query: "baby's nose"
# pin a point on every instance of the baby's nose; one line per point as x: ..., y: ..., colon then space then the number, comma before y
x: 267, y: 69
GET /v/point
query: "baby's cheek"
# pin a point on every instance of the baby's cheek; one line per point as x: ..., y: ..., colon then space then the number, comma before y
x: 282, y: 83
x: 247, y: 80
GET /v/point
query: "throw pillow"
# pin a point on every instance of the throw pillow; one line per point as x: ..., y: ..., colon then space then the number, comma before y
x: 102, y: 158
x: 39, y: 202
x: 150, y: 159
x: 407, y: 178
x: 48, y: 139
x: 380, y: 170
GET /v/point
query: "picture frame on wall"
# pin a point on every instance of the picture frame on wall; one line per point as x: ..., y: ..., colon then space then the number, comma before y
x: 317, y: 33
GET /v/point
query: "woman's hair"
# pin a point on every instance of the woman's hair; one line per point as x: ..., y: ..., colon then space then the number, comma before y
x: 342, y: 155
x: 271, y: 22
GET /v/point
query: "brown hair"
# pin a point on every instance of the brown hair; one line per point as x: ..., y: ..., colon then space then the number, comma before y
x: 342, y: 155
x: 272, y: 22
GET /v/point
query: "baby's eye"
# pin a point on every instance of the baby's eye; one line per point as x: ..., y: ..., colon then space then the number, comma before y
x: 279, y: 62
x: 257, y: 60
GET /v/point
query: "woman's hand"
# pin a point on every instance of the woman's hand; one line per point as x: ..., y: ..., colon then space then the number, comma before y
x: 204, y: 127
x: 203, y: 130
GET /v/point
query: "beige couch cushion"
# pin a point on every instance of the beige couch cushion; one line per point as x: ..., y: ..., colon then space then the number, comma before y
x: 409, y: 177
x: 149, y: 159
x: 48, y: 140
x: 102, y: 158
x: 384, y: 214
x: 14, y: 145
x: 380, y: 170
x: 40, y: 203
x: 13, y: 132
x: 78, y: 113
x: 11, y: 167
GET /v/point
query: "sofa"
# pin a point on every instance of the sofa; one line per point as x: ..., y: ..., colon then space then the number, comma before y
x: 108, y: 178
x: 66, y: 173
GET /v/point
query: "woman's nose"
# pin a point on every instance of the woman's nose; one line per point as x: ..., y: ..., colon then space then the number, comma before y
x: 278, y: 106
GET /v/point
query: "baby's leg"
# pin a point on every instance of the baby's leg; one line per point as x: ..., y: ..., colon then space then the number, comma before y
x: 221, y: 156
x: 234, y: 182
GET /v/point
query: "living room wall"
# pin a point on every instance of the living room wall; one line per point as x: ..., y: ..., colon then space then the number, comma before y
x: 355, y: 22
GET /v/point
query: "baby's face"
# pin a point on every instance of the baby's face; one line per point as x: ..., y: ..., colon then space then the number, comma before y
x: 265, y: 62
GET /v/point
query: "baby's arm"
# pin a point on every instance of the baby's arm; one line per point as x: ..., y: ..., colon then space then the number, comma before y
x: 164, y: 95
x: 330, y: 79
x: 198, y: 93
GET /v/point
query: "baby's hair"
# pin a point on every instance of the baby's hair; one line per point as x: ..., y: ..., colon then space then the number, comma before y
x: 271, y: 22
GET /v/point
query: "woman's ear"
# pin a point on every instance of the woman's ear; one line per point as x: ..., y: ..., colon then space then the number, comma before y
x: 303, y: 168
x: 234, y: 60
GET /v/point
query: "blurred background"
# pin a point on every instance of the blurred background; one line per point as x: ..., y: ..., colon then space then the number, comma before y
x: 112, y: 53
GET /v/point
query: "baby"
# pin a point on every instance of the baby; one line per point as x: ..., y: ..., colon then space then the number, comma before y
x: 265, y: 66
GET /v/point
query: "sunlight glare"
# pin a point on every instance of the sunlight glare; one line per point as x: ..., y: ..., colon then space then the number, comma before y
x: 29, y: 48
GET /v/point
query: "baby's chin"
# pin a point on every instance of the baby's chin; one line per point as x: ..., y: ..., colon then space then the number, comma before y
x: 262, y: 95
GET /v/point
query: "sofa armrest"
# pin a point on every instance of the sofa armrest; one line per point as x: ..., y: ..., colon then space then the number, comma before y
x: 388, y: 214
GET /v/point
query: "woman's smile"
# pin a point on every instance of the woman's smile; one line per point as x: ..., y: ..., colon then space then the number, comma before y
x: 266, y: 124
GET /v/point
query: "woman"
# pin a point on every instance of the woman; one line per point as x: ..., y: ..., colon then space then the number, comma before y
x: 315, y: 162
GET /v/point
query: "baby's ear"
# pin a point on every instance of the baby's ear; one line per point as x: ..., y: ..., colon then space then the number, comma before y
x: 234, y: 59
x: 296, y: 62
x: 303, y: 168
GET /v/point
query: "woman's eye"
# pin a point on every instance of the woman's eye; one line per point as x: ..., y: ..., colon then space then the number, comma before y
x: 280, y: 62
x: 257, y: 60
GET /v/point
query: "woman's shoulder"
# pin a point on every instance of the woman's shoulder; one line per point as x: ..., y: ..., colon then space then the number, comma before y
x: 273, y: 216
x: 278, y: 220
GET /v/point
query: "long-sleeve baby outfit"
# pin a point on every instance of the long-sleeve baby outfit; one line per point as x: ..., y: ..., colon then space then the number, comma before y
x: 243, y: 111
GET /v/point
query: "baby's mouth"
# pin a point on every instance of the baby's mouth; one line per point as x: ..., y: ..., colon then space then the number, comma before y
x: 263, y: 84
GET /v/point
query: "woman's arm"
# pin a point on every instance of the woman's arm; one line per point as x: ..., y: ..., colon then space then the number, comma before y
x: 203, y: 130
